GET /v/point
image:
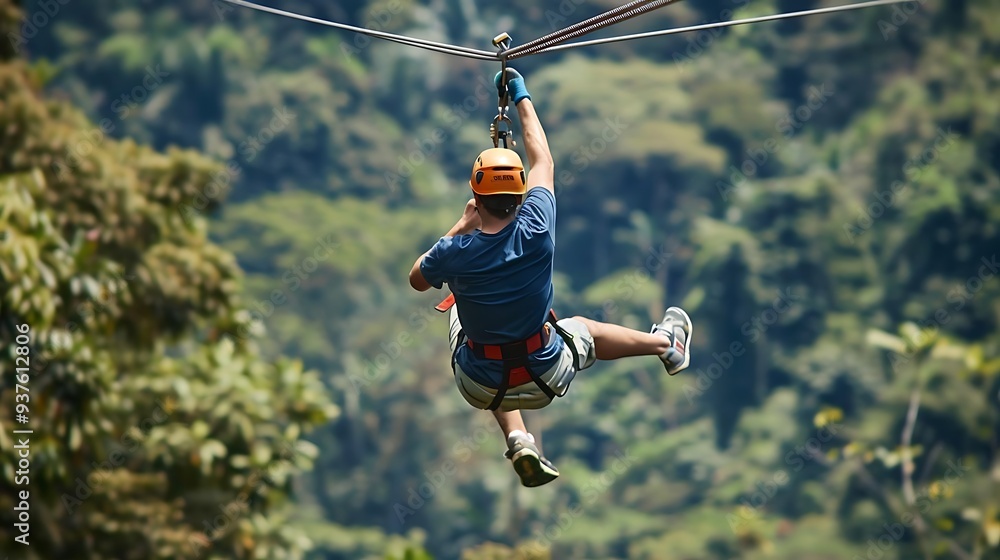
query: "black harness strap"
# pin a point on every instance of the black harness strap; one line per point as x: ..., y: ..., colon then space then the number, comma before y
x: 566, y: 336
x: 509, y: 365
x: 515, y: 356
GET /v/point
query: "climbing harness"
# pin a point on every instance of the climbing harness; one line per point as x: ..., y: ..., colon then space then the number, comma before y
x: 515, y: 356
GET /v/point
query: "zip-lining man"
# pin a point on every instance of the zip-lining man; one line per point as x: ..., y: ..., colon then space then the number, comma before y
x: 497, y: 260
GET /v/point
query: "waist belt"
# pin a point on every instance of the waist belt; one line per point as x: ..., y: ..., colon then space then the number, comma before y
x: 515, y: 361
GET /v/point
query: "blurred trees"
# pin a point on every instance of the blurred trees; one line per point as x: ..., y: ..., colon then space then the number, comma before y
x: 154, y: 436
x: 821, y: 194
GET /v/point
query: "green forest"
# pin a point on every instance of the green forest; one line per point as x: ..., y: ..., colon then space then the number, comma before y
x: 208, y: 214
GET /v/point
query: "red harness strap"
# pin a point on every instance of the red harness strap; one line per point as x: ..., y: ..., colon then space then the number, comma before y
x: 515, y: 361
x: 514, y: 355
x: 519, y: 375
x: 446, y: 304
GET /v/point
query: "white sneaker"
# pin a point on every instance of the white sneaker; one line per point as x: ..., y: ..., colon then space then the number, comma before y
x: 533, y: 469
x: 677, y: 327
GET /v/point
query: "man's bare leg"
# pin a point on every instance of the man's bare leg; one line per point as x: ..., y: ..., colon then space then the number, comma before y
x: 530, y: 465
x: 509, y: 421
x: 615, y: 341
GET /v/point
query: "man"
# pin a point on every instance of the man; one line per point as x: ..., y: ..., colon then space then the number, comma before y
x: 497, y: 260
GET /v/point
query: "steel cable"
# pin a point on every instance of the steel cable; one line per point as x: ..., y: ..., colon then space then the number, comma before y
x: 565, y: 33
x: 611, y: 17
x: 720, y: 24
x: 410, y: 41
x: 551, y: 42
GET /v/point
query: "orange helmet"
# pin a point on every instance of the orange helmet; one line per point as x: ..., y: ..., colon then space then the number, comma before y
x: 498, y: 171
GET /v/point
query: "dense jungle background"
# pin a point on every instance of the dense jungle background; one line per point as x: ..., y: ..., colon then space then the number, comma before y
x: 207, y: 215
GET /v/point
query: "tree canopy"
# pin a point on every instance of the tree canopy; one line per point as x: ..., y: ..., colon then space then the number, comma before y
x: 207, y: 215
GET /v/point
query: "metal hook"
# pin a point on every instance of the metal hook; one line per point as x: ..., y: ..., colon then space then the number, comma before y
x: 502, y: 42
x: 497, y: 134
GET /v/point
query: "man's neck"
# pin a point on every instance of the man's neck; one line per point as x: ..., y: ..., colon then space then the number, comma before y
x: 495, y: 225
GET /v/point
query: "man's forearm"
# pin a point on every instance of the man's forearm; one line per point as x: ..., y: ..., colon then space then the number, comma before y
x: 461, y: 227
x: 535, y: 143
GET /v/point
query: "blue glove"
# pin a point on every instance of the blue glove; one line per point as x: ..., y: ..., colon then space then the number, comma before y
x: 515, y: 86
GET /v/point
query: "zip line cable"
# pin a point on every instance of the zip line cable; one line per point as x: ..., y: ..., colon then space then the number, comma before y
x: 615, y: 15
x: 410, y: 41
x: 551, y: 42
x: 720, y: 24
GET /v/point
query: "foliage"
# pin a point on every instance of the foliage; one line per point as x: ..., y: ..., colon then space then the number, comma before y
x: 821, y: 194
x: 153, y: 437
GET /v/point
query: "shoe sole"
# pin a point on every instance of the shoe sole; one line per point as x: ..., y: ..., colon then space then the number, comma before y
x: 687, y: 343
x: 531, y: 470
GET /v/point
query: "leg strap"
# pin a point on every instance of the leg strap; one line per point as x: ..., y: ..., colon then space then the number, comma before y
x: 501, y: 390
x: 510, y: 365
x: 518, y: 361
x: 566, y: 336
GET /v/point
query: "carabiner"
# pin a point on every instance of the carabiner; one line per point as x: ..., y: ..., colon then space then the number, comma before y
x: 497, y: 134
x: 502, y: 42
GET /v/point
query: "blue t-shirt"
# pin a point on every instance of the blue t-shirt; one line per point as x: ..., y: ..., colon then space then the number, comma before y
x: 502, y: 284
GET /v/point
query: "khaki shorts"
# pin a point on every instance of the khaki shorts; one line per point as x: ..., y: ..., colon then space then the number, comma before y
x: 527, y: 396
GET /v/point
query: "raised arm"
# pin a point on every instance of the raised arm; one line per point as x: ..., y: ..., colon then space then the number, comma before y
x: 541, y: 167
